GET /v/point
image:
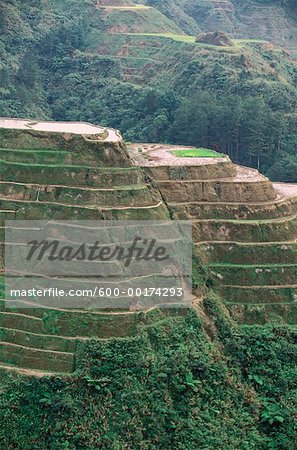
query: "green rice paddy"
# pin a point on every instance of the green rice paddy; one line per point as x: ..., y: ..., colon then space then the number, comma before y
x: 196, y: 153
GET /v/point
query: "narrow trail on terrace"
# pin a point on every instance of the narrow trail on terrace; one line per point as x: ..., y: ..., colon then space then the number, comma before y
x: 55, y: 336
x: 93, y: 207
x: 247, y: 221
x: 34, y: 373
x: 278, y: 200
x: 36, y: 349
x: 82, y: 311
x: 81, y: 188
x: 7, y: 313
x: 234, y: 265
x: 252, y: 244
x: 267, y: 286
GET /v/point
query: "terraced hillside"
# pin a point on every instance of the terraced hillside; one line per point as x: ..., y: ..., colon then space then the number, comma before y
x: 244, y: 227
x: 133, y: 17
x: 72, y: 171
x: 128, y: 26
x: 130, y: 36
x: 143, y: 40
x: 273, y: 20
x: 47, y: 176
x: 125, y: 67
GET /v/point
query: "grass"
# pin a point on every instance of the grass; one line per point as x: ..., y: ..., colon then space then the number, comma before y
x: 196, y: 153
x: 126, y: 7
x: 191, y: 39
x: 240, y: 42
x: 175, y: 37
x: 34, y: 155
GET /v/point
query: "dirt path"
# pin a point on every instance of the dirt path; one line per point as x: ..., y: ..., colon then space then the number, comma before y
x: 268, y: 286
x: 12, y: 344
x: 130, y: 187
x: 91, y: 207
x: 33, y: 373
x: 247, y: 221
x: 82, y: 128
x: 286, y: 189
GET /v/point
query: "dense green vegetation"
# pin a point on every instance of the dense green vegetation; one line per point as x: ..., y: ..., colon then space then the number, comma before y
x: 243, y: 101
x: 174, y: 386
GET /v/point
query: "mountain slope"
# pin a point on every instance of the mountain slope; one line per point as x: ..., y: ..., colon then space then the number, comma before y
x: 126, y: 65
x: 275, y: 21
x: 183, y: 383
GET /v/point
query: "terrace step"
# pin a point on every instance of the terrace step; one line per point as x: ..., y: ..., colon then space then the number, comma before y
x: 7, y: 214
x: 131, y: 195
x: 207, y: 171
x: 5, y: 185
x: 277, y: 313
x: 38, y: 341
x: 5, y: 368
x: 36, y: 156
x: 22, y: 322
x: 32, y: 358
x: 50, y: 156
x: 259, y: 294
x: 248, y: 253
x: 73, y: 175
x: 225, y: 190
x: 69, y: 323
x: 281, y: 207
x: 237, y: 178
x: 34, y: 210
x: 274, y: 230
x: 253, y: 275
x: 161, y: 162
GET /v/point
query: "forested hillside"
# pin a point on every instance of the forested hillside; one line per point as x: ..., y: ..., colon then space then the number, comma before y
x: 137, y: 70
x: 183, y: 383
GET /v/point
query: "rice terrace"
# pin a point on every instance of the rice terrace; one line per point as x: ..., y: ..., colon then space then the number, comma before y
x: 148, y: 224
x: 232, y: 209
